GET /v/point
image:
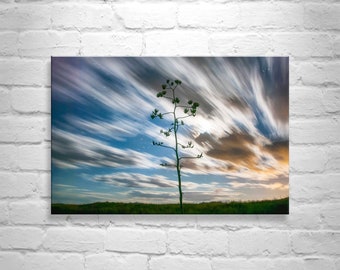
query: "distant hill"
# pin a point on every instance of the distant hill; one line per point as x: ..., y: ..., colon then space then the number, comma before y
x: 280, y: 206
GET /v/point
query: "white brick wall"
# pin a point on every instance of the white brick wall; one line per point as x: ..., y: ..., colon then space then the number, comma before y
x: 32, y: 31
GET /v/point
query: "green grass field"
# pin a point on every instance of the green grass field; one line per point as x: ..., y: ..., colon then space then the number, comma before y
x: 280, y: 206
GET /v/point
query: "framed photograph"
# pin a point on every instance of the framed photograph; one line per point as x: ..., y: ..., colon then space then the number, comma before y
x: 170, y: 135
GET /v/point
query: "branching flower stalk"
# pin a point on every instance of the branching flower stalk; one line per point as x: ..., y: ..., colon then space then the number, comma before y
x: 189, y: 110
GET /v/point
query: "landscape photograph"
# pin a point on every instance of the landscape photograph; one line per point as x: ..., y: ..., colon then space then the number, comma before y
x: 170, y: 135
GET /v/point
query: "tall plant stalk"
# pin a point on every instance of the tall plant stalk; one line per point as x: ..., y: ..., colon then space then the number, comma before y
x: 189, y: 109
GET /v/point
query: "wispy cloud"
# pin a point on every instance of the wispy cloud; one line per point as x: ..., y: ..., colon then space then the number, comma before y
x: 274, y: 186
x: 221, y: 194
x: 116, y: 129
x: 101, y: 112
x: 73, y: 194
x: 138, y: 180
x: 135, y: 180
x: 74, y: 150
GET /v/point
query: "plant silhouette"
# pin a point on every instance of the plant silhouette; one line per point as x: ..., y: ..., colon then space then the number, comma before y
x: 189, y: 110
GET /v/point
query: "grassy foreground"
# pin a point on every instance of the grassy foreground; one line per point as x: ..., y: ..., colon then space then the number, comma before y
x: 280, y: 206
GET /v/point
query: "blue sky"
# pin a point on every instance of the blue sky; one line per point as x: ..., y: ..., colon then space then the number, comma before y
x: 102, y: 132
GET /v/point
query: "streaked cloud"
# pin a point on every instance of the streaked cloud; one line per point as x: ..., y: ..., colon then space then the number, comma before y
x: 275, y: 185
x: 74, y: 151
x: 75, y: 195
x: 136, y: 180
x: 101, y: 121
x: 190, y: 196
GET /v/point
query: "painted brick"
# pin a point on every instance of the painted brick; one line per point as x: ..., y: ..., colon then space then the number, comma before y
x: 145, y: 15
x: 20, y: 238
x: 321, y: 243
x: 208, y: 15
x: 239, y: 44
x: 331, y: 100
x: 49, y: 43
x: 116, y: 44
x: 8, y: 155
x: 253, y: 264
x: 172, y: 43
x: 47, y: 74
x: 299, y: 44
x: 315, y: 131
x: 301, y: 216
x: 321, y: 16
x: 26, y: 181
x: 193, y: 242
x: 44, y: 185
x: 289, y: 263
x: 29, y: 212
x: 333, y: 162
x: 11, y: 260
x: 294, y: 73
x: 74, y: 239
x: 308, y: 263
x: 46, y: 122
x: 126, y: 221
x: 23, y: 72
x: 179, y: 263
x: 315, y: 188
x: 53, y: 261
x: 103, y: 261
x: 31, y: 100
x: 320, y: 73
x: 83, y: 220
x: 273, y: 15
x: 314, y: 101
x: 306, y: 101
x: 232, y: 222
x: 331, y: 216
x: 336, y: 46
x: 307, y: 158
x: 25, y: 17
x: 319, y: 263
x: 337, y: 263
x: 32, y: 31
x: 5, y: 104
x: 258, y: 243
x: 9, y: 43
x: 135, y: 240
x: 21, y: 129
x: 34, y: 157
x: 3, y: 212
x: 75, y: 16
x: 178, y: 221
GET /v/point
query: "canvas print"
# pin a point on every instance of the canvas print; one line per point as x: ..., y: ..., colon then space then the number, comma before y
x: 170, y: 135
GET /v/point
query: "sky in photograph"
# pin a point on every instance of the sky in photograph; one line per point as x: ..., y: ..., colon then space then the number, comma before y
x: 102, y: 132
